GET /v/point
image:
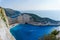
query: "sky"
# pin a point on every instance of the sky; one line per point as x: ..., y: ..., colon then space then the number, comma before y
x: 34, y: 5
x: 31, y: 4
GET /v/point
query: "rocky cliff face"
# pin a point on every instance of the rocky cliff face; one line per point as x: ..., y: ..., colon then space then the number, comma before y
x: 4, y: 31
x: 36, y: 20
x: 18, y: 17
x: 58, y: 36
x: 4, y: 28
x: 12, y: 15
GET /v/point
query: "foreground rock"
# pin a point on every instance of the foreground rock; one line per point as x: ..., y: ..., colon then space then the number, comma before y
x: 4, y: 31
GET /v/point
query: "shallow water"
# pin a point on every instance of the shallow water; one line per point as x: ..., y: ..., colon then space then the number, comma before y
x: 30, y: 32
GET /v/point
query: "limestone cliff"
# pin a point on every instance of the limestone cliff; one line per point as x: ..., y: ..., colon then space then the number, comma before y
x: 4, y: 27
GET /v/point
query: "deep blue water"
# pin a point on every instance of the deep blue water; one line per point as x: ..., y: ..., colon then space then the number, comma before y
x: 30, y: 32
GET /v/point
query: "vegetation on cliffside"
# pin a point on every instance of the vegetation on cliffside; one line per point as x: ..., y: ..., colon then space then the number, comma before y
x: 51, y: 36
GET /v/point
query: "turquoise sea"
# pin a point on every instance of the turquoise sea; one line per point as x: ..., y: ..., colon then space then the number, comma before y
x: 30, y: 32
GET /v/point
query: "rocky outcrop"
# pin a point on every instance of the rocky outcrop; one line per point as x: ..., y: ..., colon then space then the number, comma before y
x: 4, y: 27
x: 5, y: 32
x: 3, y: 16
x: 12, y: 15
x: 30, y: 18
x: 58, y: 36
x: 36, y: 20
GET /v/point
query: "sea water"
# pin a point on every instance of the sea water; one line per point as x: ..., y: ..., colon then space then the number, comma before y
x: 30, y: 32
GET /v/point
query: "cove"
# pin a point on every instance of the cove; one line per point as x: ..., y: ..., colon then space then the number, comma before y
x: 30, y: 32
